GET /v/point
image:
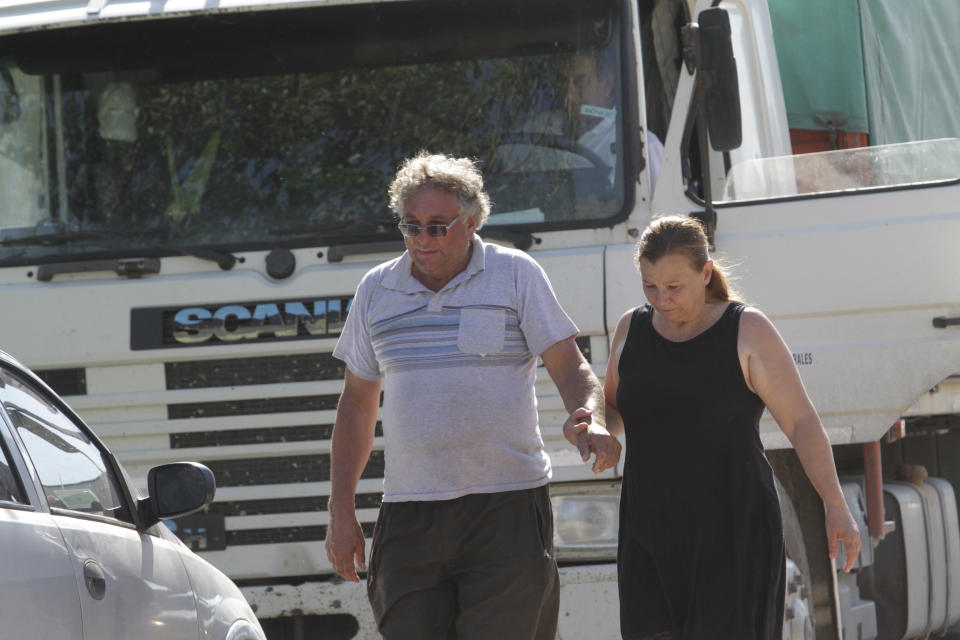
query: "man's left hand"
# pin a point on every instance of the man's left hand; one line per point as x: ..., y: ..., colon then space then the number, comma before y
x: 590, y: 438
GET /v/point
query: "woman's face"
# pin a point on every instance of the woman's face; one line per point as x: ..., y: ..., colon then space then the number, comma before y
x: 674, y: 287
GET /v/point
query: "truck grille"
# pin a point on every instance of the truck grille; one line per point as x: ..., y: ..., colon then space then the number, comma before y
x: 255, y: 436
x: 267, y: 370
x: 264, y: 507
x: 283, y: 470
x: 246, y: 468
x: 66, y: 382
x: 287, y: 505
x: 291, y: 534
x: 252, y: 406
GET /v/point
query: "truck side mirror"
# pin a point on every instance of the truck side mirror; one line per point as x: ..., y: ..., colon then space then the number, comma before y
x: 176, y: 489
x: 708, y: 51
x: 719, y: 75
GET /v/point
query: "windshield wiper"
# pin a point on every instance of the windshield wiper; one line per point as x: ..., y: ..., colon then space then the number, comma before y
x: 224, y: 259
x: 521, y: 239
x: 375, y: 234
x: 340, y: 229
x: 123, y: 267
x: 134, y: 267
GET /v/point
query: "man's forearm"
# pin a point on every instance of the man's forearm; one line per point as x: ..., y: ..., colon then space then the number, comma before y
x: 581, y: 388
x: 574, y: 379
x: 350, y: 446
x: 351, y: 443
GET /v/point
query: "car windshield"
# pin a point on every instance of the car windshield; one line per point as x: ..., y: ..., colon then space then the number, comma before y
x: 243, y: 132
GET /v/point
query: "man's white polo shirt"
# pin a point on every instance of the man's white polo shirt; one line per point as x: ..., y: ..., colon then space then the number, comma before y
x: 458, y: 369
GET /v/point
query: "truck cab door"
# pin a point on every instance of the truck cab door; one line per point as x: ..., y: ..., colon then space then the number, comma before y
x: 853, y: 255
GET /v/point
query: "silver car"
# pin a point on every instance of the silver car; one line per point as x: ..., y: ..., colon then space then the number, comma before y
x: 83, y: 555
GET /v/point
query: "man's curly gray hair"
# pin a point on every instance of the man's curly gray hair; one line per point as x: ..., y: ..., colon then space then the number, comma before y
x: 439, y: 171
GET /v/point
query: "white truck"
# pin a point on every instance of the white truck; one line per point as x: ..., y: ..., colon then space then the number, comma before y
x: 190, y: 191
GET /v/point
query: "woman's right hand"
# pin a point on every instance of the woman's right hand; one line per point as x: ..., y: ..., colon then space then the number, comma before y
x: 842, y: 527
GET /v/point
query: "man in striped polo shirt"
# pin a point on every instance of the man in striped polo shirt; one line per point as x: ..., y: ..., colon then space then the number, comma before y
x: 451, y: 331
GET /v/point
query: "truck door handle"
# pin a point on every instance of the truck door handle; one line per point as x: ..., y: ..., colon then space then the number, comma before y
x: 94, y: 578
x: 943, y: 322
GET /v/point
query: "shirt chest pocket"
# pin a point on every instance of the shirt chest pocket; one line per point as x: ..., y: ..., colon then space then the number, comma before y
x: 481, y: 331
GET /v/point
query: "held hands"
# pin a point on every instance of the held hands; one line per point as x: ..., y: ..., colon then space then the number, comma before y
x: 840, y: 526
x: 589, y: 438
x: 345, y: 546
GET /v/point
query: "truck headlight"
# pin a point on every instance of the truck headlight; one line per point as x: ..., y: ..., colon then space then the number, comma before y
x: 586, y: 518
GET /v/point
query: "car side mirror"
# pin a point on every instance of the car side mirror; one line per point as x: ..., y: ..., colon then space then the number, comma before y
x: 176, y: 489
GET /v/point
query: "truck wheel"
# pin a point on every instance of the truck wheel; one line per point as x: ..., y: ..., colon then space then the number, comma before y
x: 798, y: 608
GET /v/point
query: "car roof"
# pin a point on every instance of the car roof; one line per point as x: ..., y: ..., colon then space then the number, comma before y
x: 13, y: 362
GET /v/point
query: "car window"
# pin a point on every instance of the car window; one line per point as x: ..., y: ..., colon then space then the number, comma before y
x: 10, y: 490
x: 74, y: 474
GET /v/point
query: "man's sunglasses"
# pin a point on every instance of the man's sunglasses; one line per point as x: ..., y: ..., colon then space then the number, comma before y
x: 411, y: 230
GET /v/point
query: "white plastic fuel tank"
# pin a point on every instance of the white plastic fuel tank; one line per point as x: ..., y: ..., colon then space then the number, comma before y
x: 951, y: 558
x: 899, y: 580
x: 936, y: 555
x: 915, y: 577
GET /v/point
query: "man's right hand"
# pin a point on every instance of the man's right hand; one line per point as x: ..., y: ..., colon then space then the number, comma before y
x: 350, y: 445
x: 346, y: 545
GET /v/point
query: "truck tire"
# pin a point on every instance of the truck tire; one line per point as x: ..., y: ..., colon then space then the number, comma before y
x: 798, y: 608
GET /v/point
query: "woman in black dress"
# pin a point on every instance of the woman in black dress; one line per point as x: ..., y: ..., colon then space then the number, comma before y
x: 701, y: 551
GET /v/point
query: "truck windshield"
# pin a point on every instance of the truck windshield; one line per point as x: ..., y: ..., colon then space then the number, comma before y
x: 240, y: 132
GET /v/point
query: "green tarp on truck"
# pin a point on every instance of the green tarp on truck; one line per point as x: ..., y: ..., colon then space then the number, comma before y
x: 888, y: 68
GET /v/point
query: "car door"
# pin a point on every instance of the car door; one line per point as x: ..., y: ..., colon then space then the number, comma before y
x: 131, y: 584
x: 38, y: 598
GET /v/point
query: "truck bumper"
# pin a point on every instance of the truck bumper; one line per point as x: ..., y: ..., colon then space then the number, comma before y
x: 588, y: 602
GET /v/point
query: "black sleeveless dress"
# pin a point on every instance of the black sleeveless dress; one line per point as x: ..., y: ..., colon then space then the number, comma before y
x: 701, y: 542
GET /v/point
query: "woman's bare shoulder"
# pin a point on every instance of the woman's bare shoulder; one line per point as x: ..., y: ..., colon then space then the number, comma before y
x: 756, y: 329
x: 623, y: 327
